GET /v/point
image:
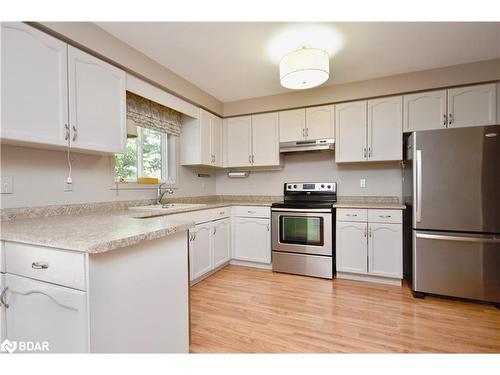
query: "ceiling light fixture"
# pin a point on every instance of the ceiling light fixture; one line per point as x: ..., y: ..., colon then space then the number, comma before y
x: 304, y: 68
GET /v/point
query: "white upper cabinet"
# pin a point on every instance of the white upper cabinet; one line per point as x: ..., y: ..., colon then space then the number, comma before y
x: 34, y: 86
x: 201, y: 140
x: 320, y: 122
x: 292, y: 125
x: 424, y: 111
x: 350, y: 132
x: 97, y: 104
x: 472, y: 106
x: 265, y: 140
x: 385, y: 129
x: 216, y: 140
x: 238, y: 141
x: 251, y: 141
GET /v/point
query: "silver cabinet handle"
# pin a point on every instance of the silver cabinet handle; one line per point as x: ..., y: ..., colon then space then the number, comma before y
x: 251, y: 212
x: 2, y: 298
x: 418, y: 209
x: 75, y: 133
x: 39, y: 265
x: 450, y: 118
x: 370, y: 232
x: 444, y: 119
x: 66, y: 137
x: 303, y: 132
x: 253, y: 159
x: 384, y: 216
x: 215, y: 230
x: 268, y: 227
x: 221, y: 213
x: 369, y: 152
x: 365, y: 231
x: 364, y: 152
x: 351, y: 215
x: 250, y: 159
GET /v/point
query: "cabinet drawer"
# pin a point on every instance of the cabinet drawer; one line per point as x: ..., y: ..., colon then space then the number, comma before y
x: 203, y: 216
x: 385, y: 216
x: 252, y: 211
x: 351, y: 214
x: 220, y: 213
x: 41, y: 263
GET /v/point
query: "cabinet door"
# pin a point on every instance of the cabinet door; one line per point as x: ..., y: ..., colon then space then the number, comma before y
x: 385, y: 250
x: 252, y: 240
x: 292, y: 125
x: 221, y: 242
x: 205, y: 138
x: 320, y: 122
x: 238, y: 141
x: 424, y: 111
x: 97, y: 107
x: 265, y: 140
x: 351, y: 247
x: 385, y: 128
x: 216, y: 140
x: 472, y: 106
x: 200, y: 251
x: 2, y: 310
x: 41, y: 311
x: 34, y: 86
x: 350, y: 132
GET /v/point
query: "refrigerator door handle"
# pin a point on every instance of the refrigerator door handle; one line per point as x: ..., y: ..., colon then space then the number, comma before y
x: 483, y: 239
x: 418, y: 208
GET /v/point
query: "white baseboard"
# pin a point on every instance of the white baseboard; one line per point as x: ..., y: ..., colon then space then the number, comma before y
x: 368, y: 278
x: 245, y: 263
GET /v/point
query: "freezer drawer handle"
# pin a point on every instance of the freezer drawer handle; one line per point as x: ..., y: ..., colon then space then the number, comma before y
x: 458, y: 238
x: 39, y: 265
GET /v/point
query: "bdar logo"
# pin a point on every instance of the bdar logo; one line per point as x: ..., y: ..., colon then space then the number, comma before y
x: 8, y: 346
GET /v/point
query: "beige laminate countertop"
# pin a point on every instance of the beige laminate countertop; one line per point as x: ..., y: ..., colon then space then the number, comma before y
x: 91, y: 233
x: 97, y: 232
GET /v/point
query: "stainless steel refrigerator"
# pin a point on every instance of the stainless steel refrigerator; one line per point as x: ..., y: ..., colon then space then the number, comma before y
x: 453, y: 187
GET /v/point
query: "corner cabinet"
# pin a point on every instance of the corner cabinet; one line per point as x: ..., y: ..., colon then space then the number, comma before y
x: 97, y: 104
x: 34, y: 77
x: 369, y: 245
x: 369, y: 130
x: 465, y: 106
x: 201, y: 140
x: 251, y: 141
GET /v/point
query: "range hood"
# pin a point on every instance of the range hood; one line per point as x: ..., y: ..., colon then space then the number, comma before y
x: 312, y: 145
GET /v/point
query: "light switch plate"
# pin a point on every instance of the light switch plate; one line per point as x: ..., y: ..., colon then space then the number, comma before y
x: 7, y: 182
x: 362, y: 183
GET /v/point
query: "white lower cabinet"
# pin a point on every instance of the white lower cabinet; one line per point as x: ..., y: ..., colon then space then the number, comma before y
x: 252, y: 239
x: 384, y: 250
x: 221, y: 242
x: 370, y: 249
x: 352, y: 247
x: 209, y: 247
x: 200, y: 251
x: 46, y: 313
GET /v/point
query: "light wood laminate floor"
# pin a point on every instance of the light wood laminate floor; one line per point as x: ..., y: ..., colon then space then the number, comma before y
x: 243, y: 310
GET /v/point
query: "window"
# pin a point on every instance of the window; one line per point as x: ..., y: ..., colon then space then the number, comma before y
x: 150, y: 154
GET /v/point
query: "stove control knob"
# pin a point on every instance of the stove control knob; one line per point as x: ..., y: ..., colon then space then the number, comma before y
x: 295, y: 186
x: 322, y: 186
x: 289, y: 186
x: 328, y: 186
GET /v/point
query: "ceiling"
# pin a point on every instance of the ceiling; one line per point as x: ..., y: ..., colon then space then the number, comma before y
x: 233, y: 61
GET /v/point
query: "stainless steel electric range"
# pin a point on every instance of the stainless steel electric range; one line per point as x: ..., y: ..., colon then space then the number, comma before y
x: 302, y: 229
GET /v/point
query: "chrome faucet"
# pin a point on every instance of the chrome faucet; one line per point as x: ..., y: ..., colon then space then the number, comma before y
x: 160, y: 193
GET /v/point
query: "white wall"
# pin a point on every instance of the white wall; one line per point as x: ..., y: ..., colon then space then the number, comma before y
x: 39, y: 178
x: 381, y: 178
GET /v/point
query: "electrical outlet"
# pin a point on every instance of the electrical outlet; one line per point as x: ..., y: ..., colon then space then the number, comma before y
x: 7, y: 187
x: 68, y: 186
x: 362, y: 183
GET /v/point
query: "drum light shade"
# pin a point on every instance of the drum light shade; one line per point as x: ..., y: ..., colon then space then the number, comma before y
x: 304, y: 68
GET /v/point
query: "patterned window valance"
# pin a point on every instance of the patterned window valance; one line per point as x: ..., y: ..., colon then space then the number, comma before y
x: 148, y: 114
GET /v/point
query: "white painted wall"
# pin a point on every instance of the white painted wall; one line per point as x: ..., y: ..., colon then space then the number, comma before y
x: 39, y: 177
x: 381, y: 178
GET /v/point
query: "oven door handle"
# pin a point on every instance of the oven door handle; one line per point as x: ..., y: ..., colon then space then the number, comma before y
x: 324, y: 210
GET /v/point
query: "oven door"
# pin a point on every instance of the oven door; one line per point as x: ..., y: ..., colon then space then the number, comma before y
x: 306, y: 231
